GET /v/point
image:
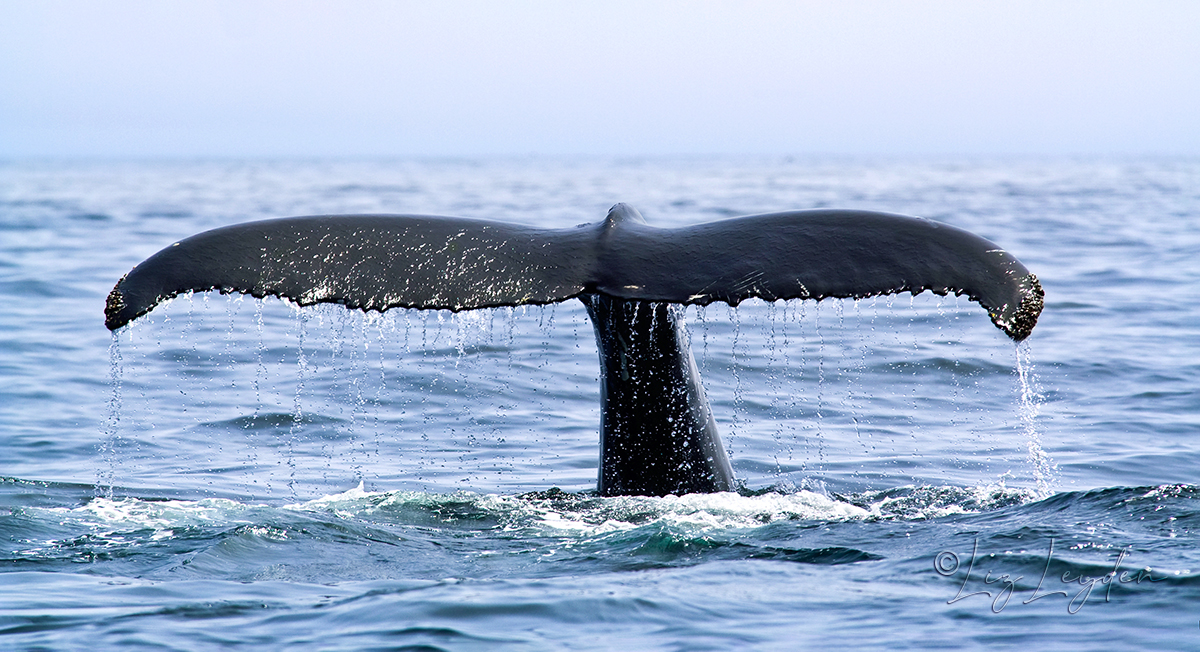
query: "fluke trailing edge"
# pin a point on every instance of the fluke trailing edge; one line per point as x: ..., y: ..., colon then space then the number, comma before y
x: 657, y: 432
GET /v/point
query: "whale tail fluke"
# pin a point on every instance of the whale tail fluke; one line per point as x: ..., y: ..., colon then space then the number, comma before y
x: 376, y: 262
x: 657, y: 432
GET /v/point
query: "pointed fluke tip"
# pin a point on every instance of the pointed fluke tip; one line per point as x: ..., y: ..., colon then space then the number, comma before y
x: 1017, y: 321
x: 114, y: 306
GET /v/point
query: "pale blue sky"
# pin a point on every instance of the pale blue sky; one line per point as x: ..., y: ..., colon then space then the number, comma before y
x: 280, y: 78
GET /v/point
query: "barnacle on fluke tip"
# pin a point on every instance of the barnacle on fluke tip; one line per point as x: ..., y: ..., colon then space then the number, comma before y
x: 1018, y: 322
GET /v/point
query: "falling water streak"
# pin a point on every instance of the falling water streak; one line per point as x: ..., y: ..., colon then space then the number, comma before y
x: 509, y: 338
x: 701, y: 313
x: 336, y: 357
x: 381, y: 387
x: 916, y: 348
x: 546, y: 321
x: 442, y: 332
x: 534, y: 440
x: 455, y: 415
x: 860, y: 372
x: 199, y: 381
x: 653, y: 326
x: 189, y: 344
x: 260, y: 372
x: 957, y: 422
x: 112, y: 422
x: 736, y: 421
x: 651, y: 343
x: 471, y: 327
x: 424, y: 317
x: 355, y: 375
x: 634, y: 352
x: 231, y: 306
x: 460, y: 337
x: 819, y: 433
x: 772, y: 379
x: 431, y: 329
x: 798, y: 313
x: 853, y: 402
x: 494, y: 431
x: 297, y: 406
x: 546, y: 317
x: 407, y: 346
x: 204, y: 379
x: 1030, y: 406
x: 889, y: 301
x: 435, y: 378
x: 789, y: 382
x: 970, y: 378
x: 509, y: 335
x: 839, y: 310
x: 231, y: 310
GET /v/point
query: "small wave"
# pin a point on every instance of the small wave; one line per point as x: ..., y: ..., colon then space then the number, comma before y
x: 109, y: 516
x: 550, y: 513
x: 363, y: 534
x: 1167, y: 491
x: 927, y: 502
x: 559, y: 513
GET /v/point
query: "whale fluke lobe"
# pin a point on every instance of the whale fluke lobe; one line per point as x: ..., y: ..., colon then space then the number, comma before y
x: 658, y: 435
x: 376, y: 262
x: 370, y: 262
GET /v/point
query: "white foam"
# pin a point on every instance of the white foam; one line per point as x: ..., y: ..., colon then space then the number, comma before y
x: 692, y: 511
x: 568, y: 516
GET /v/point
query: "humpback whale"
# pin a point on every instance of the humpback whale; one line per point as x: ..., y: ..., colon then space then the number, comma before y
x: 657, y: 433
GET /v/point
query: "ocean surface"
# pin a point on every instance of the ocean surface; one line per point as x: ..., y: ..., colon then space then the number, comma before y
x: 228, y: 473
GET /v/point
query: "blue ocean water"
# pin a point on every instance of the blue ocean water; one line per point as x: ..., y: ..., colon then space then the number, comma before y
x: 227, y: 472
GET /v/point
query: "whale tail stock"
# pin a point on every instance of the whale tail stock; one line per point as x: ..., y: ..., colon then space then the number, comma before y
x: 657, y: 432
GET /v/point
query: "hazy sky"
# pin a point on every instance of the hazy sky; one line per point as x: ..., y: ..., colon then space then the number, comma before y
x: 270, y: 78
